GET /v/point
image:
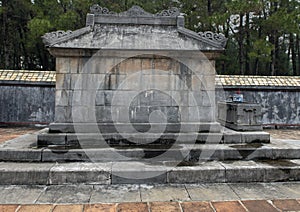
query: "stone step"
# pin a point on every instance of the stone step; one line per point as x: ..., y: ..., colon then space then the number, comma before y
x: 277, y: 149
x: 139, y: 172
x: 98, y: 139
x: 134, y: 127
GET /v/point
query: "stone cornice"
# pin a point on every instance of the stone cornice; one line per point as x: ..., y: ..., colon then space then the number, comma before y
x: 135, y: 11
x: 53, y: 38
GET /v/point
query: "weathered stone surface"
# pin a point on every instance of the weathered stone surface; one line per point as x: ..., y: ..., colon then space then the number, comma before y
x: 76, y: 173
x: 158, y: 193
x: 255, y: 137
x: 20, y: 155
x: 116, y: 193
x: 256, y: 191
x: 243, y: 171
x: 64, y: 155
x: 199, y: 173
x: 240, y: 116
x: 132, y: 127
x: 18, y: 174
x: 211, y: 192
x: 66, y: 194
x: 20, y: 194
x: 52, y: 139
x: 63, y: 81
x: 137, y: 172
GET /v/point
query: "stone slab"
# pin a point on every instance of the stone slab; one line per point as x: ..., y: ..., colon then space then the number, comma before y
x: 20, y: 194
x: 64, y: 155
x: 76, y: 173
x: 211, y: 192
x: 21, y: 155
x: 66, y: 194
x: 138, y: 173
x: 257, y: 191
x: 202, y: 172
x: 28, y: 173
x: 159, y: 193
x: 52, y: 139
x: 255, y: 137
x: 116, y: 193
x: 123, y: 127
x: 244, y: 171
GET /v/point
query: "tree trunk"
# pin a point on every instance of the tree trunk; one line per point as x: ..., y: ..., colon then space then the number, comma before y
x: 273, y: 56
x: 247, y: 59
x: 241, y: 45
x: 294, y: 56
x: 5, y: 52
x: 209, y: 9
x: 298, y: 50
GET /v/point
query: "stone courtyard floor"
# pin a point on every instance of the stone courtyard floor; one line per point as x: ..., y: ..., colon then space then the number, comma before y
x: 260, y: 197
x: 281, y: 196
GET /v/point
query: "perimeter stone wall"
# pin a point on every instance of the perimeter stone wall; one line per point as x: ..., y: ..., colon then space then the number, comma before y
x: 33, y: 101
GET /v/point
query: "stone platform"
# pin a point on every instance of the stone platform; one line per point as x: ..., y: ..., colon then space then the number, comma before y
x: 99, y: 135
x: 24, y: 163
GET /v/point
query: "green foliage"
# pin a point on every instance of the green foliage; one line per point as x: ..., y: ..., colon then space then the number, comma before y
x: 263, y: 34
x: 261, y: 50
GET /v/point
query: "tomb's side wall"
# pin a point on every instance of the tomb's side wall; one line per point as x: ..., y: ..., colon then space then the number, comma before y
x: 29, y: 99
x: 106, y: 89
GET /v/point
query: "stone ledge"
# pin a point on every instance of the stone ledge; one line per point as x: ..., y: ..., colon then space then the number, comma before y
x: 139, y: 173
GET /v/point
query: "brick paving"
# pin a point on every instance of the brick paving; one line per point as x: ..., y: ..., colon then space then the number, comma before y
x: 292, y: 134
x: 11, y: 133
x: 249, y: 205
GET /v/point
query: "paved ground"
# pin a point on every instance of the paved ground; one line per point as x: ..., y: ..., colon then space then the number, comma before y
x: 201, y: 197
x: 11, y: 133
x: 292, y: 134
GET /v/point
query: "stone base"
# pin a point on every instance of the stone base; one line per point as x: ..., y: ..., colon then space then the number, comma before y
x: 63, y: 135
x: 241, y: 127
x: 134, y: 127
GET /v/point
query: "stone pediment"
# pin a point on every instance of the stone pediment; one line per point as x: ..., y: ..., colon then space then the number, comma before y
x: 135, y: 29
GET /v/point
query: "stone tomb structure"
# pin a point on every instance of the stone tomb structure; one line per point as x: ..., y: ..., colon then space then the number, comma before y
x: 133, y: 78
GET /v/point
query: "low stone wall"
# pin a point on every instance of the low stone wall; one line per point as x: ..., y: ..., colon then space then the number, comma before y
x: 280, y: 106
x: 28, y: 97
x: 25, y: 105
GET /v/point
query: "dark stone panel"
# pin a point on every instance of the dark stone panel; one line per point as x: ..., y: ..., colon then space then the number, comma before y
x: 27, y: 104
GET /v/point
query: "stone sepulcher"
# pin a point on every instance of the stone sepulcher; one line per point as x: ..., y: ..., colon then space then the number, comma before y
x: 133, y: 78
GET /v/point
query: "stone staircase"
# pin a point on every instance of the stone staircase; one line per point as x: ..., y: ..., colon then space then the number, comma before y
x: 235, y: 160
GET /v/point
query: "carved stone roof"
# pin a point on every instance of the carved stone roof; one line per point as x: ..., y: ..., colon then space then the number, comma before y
x: 135, y: 29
